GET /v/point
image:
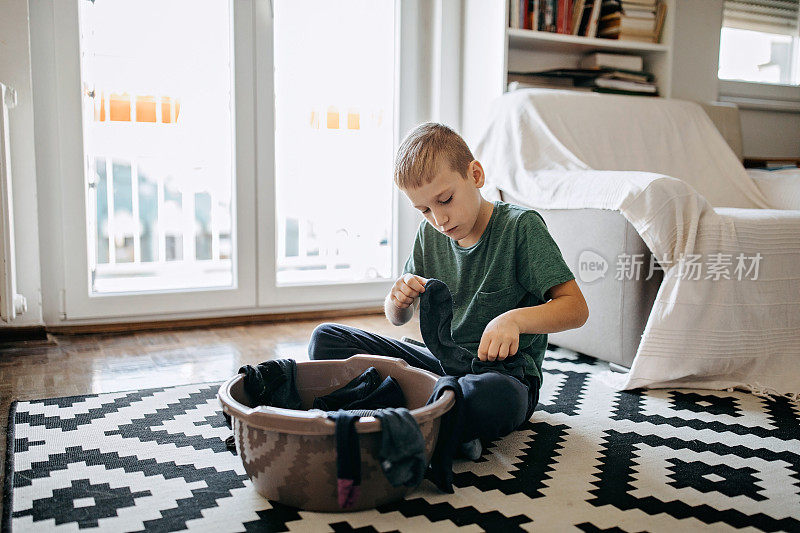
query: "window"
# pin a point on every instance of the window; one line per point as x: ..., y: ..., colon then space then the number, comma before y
x: 335, y: 124
x: 759, y: 42
x: 240, y: 162
x: 159, y: 141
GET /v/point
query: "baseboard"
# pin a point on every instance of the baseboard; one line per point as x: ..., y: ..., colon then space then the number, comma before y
x: 161, y: 325
x: 22, y: 333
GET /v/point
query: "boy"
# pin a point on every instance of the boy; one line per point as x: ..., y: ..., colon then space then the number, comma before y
x: 508, y: 280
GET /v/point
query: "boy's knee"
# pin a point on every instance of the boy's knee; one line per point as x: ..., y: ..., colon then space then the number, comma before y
x: 322, y: 338
x: 494, y: 401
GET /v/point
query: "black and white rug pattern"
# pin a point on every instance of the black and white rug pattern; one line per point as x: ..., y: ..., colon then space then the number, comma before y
x: 590, y: 459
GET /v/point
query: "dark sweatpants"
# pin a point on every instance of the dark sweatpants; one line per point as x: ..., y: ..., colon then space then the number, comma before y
x: 495, y: 404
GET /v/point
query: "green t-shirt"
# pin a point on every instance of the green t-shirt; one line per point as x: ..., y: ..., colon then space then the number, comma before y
x: 513, y: 265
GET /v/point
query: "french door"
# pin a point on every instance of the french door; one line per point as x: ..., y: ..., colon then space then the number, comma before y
x: 225, y: 155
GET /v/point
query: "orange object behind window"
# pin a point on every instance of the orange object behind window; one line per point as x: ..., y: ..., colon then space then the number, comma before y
x: 145, y: 109
x: 100, y: 108
x: 120, y: 107
x: 170, y: 109
x: 333, y: 118
x: 353, y: 120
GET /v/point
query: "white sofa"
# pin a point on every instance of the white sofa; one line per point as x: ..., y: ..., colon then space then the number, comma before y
x: 620, y: 308
x: 641, y: 176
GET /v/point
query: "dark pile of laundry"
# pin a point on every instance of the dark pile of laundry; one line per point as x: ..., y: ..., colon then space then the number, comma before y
x: 402, y: 451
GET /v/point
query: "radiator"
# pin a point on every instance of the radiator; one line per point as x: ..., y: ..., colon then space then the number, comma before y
x: 11, y: 303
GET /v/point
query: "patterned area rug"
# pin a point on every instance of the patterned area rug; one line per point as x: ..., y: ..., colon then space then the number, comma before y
x: 589, y: 459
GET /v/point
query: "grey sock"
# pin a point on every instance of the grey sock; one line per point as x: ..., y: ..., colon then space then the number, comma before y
x: 435, y: 318
x: 472, y: 450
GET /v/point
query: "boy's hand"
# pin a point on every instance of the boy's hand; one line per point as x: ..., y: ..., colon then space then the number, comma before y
x: 406, y: 290
x: 499, y: 340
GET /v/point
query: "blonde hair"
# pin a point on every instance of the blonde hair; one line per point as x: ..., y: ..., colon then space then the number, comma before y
x: 423, y: 150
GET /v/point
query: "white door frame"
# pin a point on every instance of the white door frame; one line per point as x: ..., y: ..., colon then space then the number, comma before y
x: 328, y: 294
x: 78, y: 303
x: 256, y: 289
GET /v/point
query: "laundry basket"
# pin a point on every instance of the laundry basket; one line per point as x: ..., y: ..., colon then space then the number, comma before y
x: 290, y: 455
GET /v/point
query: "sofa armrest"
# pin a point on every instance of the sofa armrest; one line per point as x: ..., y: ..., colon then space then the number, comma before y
x: 781, y: 187
x: 618, y: 308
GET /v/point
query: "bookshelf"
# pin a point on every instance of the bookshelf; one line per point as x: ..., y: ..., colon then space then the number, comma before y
x: 492, y: 49
x: 557, y: 42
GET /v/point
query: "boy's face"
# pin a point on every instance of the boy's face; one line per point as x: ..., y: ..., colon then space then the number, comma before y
x: 452, y: 202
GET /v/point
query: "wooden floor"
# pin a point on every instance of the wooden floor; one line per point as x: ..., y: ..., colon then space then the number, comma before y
x: 89, y: 364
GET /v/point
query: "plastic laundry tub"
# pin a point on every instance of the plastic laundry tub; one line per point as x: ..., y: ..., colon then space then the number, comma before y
x: 290, y: 455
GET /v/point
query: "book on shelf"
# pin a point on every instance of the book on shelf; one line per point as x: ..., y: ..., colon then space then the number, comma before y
x: 564, y: 16
x: 629, y: 20
x: 548, y: 15
x: 625, y: 26
x: 534, y: 7
x: 516, y: 85
x: 513, y: 15
x: 631, y: 9
x: 631, y: 81
x: 635, y: 20
x: 621, y: 91
x: 535, y: 80
x: 584, y: 73
x: 555, y: 16
x: 517, y: 14
x: 602, y: 59
x: 661, y: 14
x: 588, y: 19
x: 620, y: 74
x: 622, y: 85
x: 577, y: 12
x: 594, y: 18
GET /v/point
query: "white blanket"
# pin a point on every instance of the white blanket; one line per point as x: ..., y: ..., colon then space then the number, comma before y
x: 708, y: 333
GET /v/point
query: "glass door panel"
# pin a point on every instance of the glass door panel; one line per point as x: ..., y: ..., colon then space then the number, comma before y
x: 159, y: 144
x: 334, y: 79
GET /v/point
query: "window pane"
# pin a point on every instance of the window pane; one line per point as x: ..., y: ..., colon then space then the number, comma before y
x: 122, y: 224
x: 148, y: 216
x: 758, y: 56
x: 158, y: 101
x: 334, y: 91
x: 101, y: 209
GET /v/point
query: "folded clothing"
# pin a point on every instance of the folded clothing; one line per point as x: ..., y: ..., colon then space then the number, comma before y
x: 272, y: 383
x: 366, y: 391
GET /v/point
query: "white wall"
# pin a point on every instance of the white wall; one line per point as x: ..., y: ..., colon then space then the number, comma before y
x: 770, y: 133
x: 765, y: 133
x: 695, y: 50
x: 51, y: 243
x: 15, y: 72
x: 429, y: 84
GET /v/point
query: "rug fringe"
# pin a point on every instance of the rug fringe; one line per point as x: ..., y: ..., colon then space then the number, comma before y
x: 757, y: 389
